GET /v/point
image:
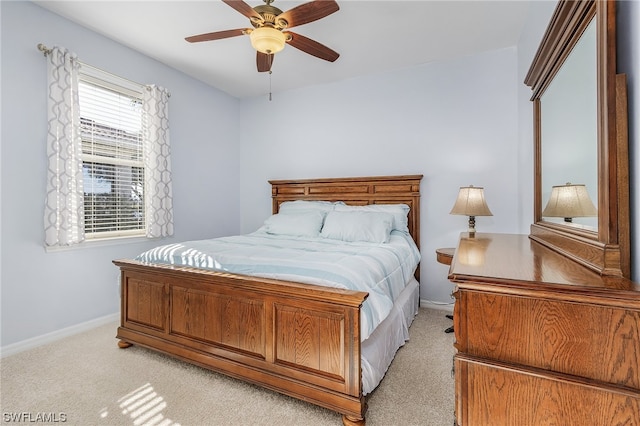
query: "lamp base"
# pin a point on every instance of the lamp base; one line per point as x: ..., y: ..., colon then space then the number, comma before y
x: 472, y: 225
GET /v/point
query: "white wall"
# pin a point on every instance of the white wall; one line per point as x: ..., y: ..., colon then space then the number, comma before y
x: 454, y: 121
x: 44, y: 292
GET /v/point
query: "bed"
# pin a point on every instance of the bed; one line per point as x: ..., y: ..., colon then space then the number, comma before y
x: 305, y: 340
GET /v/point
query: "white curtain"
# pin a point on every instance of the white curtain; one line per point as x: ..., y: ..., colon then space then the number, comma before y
x: 64, y: 203
x: 156, y: 149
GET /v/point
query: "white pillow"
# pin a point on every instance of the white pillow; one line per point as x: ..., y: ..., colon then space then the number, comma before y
x: 399, y: 212
x: 373, y: 227
x: 300, y: 224
x: 304, y: 205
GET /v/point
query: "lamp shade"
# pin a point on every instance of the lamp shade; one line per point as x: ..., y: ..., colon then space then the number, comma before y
x: 267, y: 40
x: 471, y: 202
x: 569, y: 201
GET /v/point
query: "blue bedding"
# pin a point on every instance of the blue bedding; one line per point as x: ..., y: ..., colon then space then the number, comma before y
x: 381, y: 269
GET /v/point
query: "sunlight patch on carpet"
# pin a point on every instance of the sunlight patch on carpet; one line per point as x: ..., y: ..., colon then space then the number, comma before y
x: 144, y: 406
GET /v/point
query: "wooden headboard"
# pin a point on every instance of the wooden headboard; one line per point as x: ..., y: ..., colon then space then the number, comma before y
x: 358, y: 191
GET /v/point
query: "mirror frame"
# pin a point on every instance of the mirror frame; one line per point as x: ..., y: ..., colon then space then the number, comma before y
x: 606, y: 251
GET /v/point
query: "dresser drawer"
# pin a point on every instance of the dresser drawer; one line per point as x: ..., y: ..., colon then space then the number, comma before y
x: 496, y: 394
x: 587, y: 340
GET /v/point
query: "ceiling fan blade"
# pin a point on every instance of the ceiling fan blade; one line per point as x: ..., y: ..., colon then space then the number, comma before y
x: 312, y: 47
x: 243, y: 8
x: 309, y: 12
x: 216, y: 35
x: 264, y: 61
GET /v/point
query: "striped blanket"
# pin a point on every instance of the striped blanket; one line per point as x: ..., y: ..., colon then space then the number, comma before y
x: 382, y: 270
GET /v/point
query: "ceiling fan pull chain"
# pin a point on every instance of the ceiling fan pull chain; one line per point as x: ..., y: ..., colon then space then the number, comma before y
x: 270, y: 72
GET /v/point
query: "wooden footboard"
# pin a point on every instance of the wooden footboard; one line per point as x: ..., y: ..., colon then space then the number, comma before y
x: 297, y: 339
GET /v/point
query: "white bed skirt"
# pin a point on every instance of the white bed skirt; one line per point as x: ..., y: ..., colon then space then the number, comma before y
x: 380, y: 348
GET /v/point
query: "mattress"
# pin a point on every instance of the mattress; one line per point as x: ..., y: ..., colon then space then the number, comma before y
x: 381, y: 269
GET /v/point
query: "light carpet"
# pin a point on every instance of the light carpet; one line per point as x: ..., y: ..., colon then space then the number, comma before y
x: 87, y: 380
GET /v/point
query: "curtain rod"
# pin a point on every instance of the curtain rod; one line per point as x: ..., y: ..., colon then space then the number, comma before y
x: 45, y: 51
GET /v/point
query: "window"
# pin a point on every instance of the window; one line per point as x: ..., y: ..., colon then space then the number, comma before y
x: 108, y: 149
x: 112, y: 155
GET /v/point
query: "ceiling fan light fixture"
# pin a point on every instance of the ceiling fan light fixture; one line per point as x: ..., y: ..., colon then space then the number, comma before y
x: 267, y: 40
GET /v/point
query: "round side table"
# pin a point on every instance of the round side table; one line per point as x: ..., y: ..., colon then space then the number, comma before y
x: 445, y: 255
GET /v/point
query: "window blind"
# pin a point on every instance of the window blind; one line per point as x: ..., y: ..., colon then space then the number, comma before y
x: 113, y: 169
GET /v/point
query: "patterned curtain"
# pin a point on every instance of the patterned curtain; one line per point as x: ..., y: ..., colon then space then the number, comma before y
x: 155, y: 134
x: 64, y: 203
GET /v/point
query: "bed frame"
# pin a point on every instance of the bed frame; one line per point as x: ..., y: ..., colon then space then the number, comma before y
x: 298, y: 339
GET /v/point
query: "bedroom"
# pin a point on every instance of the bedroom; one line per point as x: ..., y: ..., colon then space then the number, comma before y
x: 468, y: 122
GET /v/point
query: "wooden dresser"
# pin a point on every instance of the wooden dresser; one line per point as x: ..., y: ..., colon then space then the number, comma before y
x: 540, y: 339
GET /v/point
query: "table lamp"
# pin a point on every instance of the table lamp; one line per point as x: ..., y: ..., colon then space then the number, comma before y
x: 471, y: 202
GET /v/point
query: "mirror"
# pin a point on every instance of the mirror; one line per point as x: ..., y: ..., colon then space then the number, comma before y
x: 569, y: 134
x: 580, y: 137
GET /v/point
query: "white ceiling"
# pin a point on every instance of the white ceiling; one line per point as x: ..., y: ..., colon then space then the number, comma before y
x: 371, y: 37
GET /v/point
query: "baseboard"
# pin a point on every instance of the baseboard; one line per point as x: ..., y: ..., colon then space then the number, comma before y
x: 436, y: 305
x: 34, y: 342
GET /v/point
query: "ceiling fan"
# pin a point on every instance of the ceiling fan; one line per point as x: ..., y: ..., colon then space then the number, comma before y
x: 268, y: 35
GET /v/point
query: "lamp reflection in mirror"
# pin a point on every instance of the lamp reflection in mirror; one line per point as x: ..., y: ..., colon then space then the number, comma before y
x: 569, y: 201
x: 471, y: 202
